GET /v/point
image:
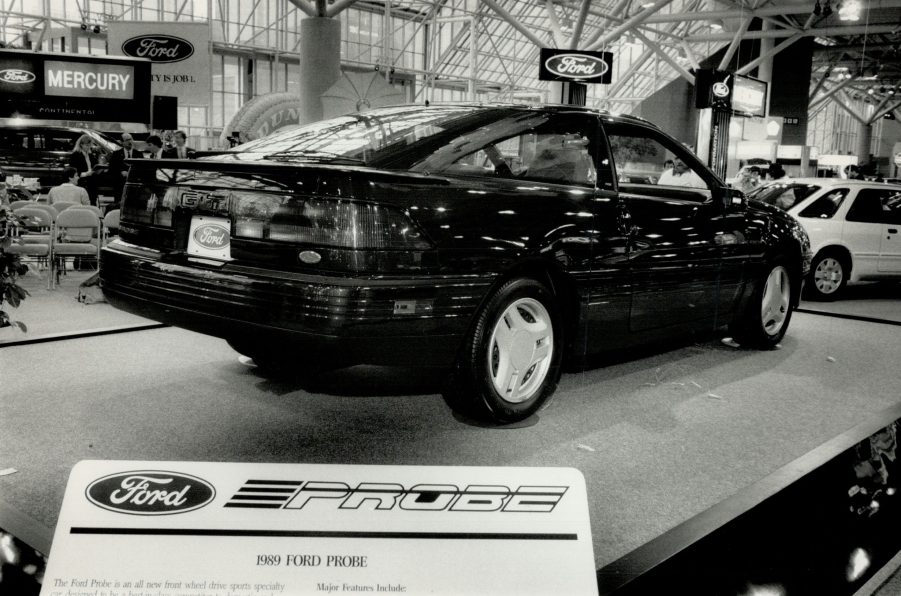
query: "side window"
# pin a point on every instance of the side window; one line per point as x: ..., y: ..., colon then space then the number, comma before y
x: 892, y: 206
x: 60, y: 140
x: 559, y: 150
x: 14, y: 140
x: 826, y: 206
x: 643, y: 157
x: 868, y: 206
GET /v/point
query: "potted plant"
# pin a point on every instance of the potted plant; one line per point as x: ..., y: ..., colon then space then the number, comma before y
x: 11, y: 267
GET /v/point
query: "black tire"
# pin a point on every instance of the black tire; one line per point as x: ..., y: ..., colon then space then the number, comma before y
x: 756, y: 327
x: 536, y: 328
x: 829, y: 273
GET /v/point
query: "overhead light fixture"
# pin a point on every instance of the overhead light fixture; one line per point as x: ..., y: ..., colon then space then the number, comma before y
x: 827, y: 9
x: 849, y: 11
x: 817, y: 9
x: 716, y: 25
x: 870, y: 91
x: 648, y: 4
x: 96, y: 29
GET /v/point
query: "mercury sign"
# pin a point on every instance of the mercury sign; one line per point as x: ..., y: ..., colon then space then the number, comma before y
x: 74, y: 79
x: 566, y: 65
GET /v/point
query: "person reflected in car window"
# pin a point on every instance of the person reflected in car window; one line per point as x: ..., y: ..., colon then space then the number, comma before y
x: 681, y: 175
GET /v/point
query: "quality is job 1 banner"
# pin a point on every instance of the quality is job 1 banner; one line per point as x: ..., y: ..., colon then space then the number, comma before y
x: 139, y: 528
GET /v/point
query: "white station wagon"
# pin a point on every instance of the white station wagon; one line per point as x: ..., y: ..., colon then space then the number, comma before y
x: 854, y: 228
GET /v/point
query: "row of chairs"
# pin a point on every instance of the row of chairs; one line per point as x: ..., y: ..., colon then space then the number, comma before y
x: 59, y: 206
x: 53, y: 237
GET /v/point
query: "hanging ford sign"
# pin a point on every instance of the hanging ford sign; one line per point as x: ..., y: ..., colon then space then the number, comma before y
x: 150, y: 492
x: 565, y: 65
x: 17, y: 76
x: 158, y: 48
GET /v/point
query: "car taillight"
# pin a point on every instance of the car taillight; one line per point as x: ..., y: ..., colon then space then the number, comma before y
x: 335, y: 223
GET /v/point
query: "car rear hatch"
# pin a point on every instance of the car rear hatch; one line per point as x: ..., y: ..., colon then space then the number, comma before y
x: 283, y: 217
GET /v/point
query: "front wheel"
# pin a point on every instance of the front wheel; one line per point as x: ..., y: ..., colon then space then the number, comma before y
x: 510, y: 362
x: 767, y: 314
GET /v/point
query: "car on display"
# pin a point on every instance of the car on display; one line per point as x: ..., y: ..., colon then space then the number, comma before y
x: 853, y: 227
x: 501, y: 241
x: 42, y: 152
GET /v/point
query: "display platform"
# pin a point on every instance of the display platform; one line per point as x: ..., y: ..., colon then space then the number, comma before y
x: 659, y: 439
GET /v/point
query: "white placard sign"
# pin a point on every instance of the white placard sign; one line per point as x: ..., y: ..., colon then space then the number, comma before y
x: 222, y: 529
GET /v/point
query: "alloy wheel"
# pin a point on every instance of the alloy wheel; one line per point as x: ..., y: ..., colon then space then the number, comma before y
x: 520, y: 351
x: 774, y: 306
x: 828, y: 275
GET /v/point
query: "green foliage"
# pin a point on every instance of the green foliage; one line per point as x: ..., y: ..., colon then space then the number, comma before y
x: 11, y: 267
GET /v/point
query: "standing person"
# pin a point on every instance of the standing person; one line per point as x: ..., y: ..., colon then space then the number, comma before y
x: 84, y: 159
x: 119, y: 169
x: 749, y: 179
x: 155, y: 146
x: 69, y: 191
x: 776, y: 172
x: 181, y: 149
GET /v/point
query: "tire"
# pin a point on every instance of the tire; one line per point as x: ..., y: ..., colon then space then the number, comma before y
x: 764, y: 320
x: 828, y: 275
x: 516, y: 335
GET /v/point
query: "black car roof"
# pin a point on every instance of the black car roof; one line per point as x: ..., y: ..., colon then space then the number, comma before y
x: 551, y: 108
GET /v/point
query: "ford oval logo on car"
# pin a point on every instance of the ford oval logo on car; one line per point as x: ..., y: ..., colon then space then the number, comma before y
x: 158, y: 48
x: 576, y: 66
x: 16, y: 76
x: 150, y: 492
x: 211, y: 236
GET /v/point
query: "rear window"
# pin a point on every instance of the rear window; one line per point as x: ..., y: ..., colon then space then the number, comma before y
x: 379, y: 138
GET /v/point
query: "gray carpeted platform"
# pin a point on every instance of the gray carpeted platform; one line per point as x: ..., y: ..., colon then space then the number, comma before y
x: 659, y: 439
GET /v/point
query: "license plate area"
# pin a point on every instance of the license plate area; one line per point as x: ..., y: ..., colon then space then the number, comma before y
x: 210, y: 238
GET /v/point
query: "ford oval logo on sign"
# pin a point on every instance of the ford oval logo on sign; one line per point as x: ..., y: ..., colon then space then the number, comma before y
x: 211, y: 236
x: 158, y: 48
x: 589, y: 67
x: 16, y: 76
x: 150, y: 492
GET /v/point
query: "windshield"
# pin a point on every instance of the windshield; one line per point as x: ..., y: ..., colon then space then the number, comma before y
x: 371, y: 138
x: 783, y: 195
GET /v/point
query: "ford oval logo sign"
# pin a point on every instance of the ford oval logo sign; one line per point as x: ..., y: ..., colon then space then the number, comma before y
x: 16, y: 76
x: 150, y: 492
x: 576, y: 66
x: 211, y: 236
x: 158, y: 48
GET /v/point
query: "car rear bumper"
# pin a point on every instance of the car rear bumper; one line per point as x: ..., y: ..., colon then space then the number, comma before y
x: 374, y: 321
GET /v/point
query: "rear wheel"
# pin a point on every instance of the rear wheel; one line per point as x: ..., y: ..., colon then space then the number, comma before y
x: 828, y: 275
x: 510, y: 362
x: 768, y: 312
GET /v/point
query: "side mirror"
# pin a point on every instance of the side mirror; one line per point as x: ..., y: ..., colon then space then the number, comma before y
x: 732, y: 199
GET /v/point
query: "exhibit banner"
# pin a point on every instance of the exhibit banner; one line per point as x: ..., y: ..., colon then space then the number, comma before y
x: 73, y: 87
x: 179, y: 52
x: 139, y: 528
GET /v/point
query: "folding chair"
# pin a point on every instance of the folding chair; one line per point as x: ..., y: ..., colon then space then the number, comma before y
x: 19, y: 204
x: 110, y: 225
x: 96, y: 210
x: 61, y: 206
x: 78, y: 233
x: 37, y: 236
x: 36, y: 239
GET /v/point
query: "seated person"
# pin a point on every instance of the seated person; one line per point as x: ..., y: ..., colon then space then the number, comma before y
x: 561, y: 159
x: 681, y: 175
x: 69, y: 192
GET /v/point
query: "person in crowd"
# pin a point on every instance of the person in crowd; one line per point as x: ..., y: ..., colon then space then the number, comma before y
x: 776, y: 172
x: 155, y: 147
x: 85, y: 158
x: 118, y: 167
x: 749, y: 179
x: 180, y: 150
x: 681, y: 175
x: 69, y: 191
